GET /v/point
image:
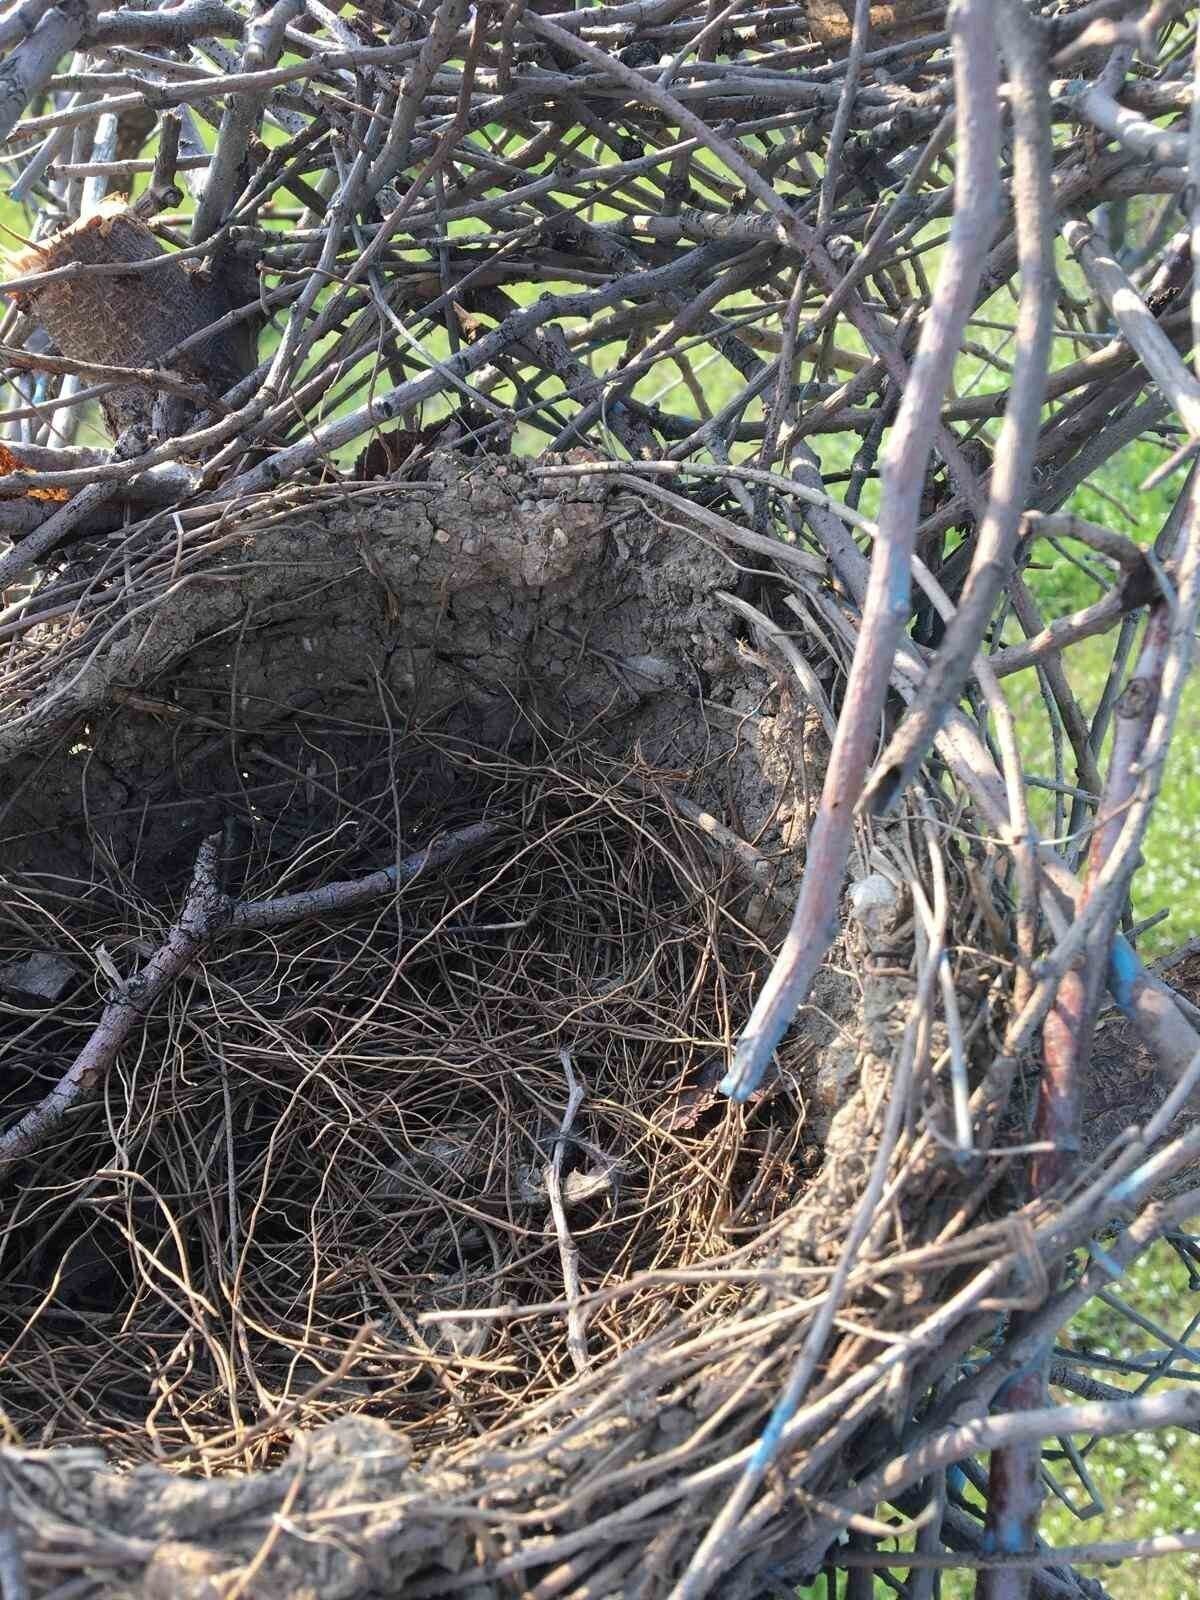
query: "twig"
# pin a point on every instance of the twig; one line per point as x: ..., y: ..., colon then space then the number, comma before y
x: 886, y: 606
x: 810, y: 684
x: 1104, y: 1419
x: 28, y: 69
x: 264, y: 42
x: 1133, y: 317
x: 207, y: 913
x: 718, y: 1547
x: 25, y: 557
x: 1093, y: 103
x: 14, y: 1583
x: 1102, y: 1552
x: 995, y: 540
x: 568, y: 1250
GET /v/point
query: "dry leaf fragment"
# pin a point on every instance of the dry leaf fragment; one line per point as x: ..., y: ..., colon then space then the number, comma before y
x: 9, y: 463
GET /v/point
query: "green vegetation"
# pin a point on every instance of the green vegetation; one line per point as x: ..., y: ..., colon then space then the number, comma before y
x: 1170, y: 877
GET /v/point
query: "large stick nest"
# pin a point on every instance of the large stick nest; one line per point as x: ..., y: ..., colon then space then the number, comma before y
x: 397, y: 832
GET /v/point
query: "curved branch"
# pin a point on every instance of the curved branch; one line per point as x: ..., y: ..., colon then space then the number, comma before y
x: 887, y: 600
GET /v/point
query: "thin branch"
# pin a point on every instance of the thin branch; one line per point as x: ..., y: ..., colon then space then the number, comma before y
x: 995, y: 540
x: 568, y: 1250
x: 1133, y: 316
x: 206, y: 915
x: 886, y: 608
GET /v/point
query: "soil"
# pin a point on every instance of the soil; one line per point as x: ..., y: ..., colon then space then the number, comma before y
x: 475, y: 602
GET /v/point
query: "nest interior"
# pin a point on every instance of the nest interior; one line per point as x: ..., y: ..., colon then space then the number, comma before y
x: 329, y: 1130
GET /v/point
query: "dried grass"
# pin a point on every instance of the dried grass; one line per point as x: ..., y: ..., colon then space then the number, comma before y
x: 348, y: 1122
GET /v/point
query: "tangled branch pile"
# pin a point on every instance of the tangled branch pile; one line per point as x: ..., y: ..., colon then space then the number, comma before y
x: 500, y: 504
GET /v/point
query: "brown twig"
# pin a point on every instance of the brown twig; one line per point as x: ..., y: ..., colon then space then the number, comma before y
x: 207, y: 913
x: 886, y: 603
x: 568, y: 1251
x: 996, y: 536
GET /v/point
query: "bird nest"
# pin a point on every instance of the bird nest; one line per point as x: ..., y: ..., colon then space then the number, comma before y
x: 389, y: 1220
x: 421, y: 1129
x: 437, y: 1161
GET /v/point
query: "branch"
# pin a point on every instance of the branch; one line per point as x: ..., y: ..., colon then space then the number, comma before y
x: 1137, y: 323
x: 241, y: 117
x: 886, y: 610
x: 1107, y: 1552
x: 204, y: 911
x: 1103, y: 1419
x: 28, y: 70
x: 568, y: 1251
x: 1092, y: 103
x: 996, y: 539
x: 208, y: 913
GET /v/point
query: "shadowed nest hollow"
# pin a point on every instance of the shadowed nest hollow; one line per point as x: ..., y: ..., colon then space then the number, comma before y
x: 349, y: 1121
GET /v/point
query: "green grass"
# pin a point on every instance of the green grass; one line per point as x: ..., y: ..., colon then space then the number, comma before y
x: 1169, y: 878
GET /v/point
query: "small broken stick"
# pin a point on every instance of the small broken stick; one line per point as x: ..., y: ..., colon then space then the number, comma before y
x: 206, y: 914
x: 568, y: 1250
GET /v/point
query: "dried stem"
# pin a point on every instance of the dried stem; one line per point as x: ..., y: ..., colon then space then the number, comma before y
x: 567, y: 1251
x: 207, y: 913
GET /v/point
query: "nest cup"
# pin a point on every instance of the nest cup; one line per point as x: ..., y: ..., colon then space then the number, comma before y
x: 428, y: 1161
x: 348, y: 1123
